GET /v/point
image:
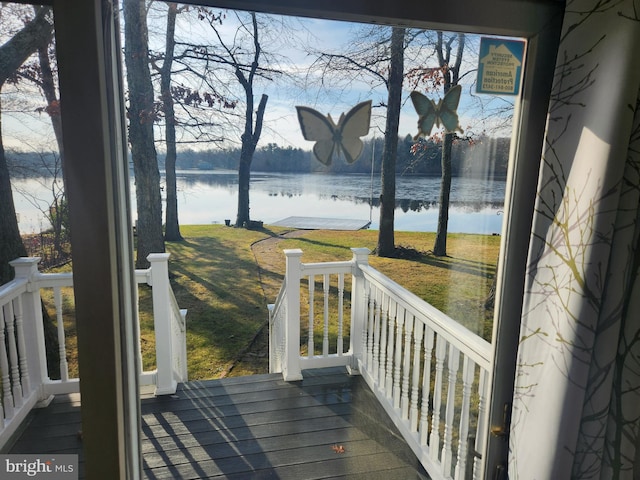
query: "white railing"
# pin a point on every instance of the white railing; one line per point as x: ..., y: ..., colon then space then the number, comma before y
x: 278, y: 332
x: 169, y: 327
x: 24, y: 378
x: 428, y: 372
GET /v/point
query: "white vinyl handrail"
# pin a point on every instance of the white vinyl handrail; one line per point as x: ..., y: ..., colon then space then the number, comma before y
x: 24, y: 377
x: 427, y: 371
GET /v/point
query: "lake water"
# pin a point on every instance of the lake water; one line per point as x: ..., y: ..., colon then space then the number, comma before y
x: 206, y: 197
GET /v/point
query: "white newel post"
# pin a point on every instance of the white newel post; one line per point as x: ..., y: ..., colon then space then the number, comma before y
x: 165, y: 383
x: 358, y: 307
x: 33, y: 330
x: 291, y: 367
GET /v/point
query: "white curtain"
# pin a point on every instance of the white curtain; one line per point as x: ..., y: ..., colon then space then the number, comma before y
x: 576, y: 405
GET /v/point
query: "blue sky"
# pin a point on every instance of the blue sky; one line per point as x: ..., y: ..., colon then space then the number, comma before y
x: 281, y: 124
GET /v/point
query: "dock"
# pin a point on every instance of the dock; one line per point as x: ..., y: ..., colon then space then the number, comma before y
x: 319, y: 223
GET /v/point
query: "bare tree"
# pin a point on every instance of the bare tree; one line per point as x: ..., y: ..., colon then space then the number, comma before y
x: 172, y: 225
x: 252, y: 130
x: 39, y: 71
x: 379, y: 54
x: 386, y: 237
x: 451, y: 73
x: 13, y: 54
x: 449, y: 50
x: 192, y: 109
x: 240, y: 55
x: 142, y: 113
x: 35, y: 34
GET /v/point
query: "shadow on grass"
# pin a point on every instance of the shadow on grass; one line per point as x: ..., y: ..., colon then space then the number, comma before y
x: 471, y: 267
x: 215, y: 282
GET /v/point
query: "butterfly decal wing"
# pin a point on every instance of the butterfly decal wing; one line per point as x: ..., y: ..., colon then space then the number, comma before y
x: 323, y: 151
x: 318, y: 128
x: 351, y: 127
x: 330, y: 137
x: 447, y: 111
x: 427, y: 113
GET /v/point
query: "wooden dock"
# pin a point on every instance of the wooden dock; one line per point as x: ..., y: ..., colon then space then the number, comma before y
x: 318, y: 223
x: 327, y: 426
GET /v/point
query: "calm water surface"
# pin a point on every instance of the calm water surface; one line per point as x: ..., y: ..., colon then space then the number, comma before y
x: 206, y: 197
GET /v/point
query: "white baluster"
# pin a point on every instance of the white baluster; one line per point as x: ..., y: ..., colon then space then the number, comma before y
x: 406, y: 366
x: 426, y: 386
x: 376, y: 336
x: 371, y: 312
x: 325, y: 332
x: 483, y: 387
x: 7, y: 398
x: 418, y: 331
x: 22, y: 349
x: 391, y: 319
x: 434, y: 438
x: 136, y: 294
x: 383, y: 342
x: 62, y: 352
x: 340, y: 346
x: 397, y: 386
x: 13, y: 354
x: 310, y: 345
x: 468, y: 372
x: 452, y: 365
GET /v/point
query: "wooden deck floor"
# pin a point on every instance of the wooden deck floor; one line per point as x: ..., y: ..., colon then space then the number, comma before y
x: 250, y: 428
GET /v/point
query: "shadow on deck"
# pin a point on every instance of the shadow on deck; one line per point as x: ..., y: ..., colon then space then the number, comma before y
x: 327, y: 426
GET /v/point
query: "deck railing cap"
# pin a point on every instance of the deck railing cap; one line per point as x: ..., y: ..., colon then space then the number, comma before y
x: 361, y: 254
x: 158, y: 257
x: 25, y: 267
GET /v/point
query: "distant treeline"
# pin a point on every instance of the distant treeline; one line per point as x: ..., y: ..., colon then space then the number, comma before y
x: 482, y: 156
x: 485, y: 156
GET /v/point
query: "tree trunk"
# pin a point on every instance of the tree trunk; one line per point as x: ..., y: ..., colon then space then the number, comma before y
x: 24, y: 43
x: 141, y: 115
x: 244, y: 179
x: 12, y: 55
x: 53, y: 109
x: 386, y: 238
x: 250, y: 139
x: 11, y: 246
x: 440, y: 246
x: 172, y: 226
x: 53, y: 104
x: 451, y: 78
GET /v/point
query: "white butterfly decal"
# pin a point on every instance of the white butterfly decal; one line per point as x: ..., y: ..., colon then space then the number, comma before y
x: 444, y: 112
x: 329, y: 137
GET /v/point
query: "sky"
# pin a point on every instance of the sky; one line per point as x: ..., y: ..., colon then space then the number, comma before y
x: 292, y: 44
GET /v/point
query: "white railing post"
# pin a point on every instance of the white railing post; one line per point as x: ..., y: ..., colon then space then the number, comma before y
x: 291, y: 368
x: 165, y: 382
x: 358, y: 308
x: 33, y: 330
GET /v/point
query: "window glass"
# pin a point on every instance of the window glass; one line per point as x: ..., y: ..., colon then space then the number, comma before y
x: 331, y: 69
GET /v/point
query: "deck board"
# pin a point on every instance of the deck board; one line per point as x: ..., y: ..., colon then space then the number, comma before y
x: 250, y: 427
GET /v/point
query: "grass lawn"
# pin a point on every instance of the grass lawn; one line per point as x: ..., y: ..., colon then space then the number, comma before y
x: 225, y: 277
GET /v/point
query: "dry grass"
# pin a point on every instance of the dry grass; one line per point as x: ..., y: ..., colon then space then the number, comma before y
x: 457, y: 284
x: 225, y: 277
